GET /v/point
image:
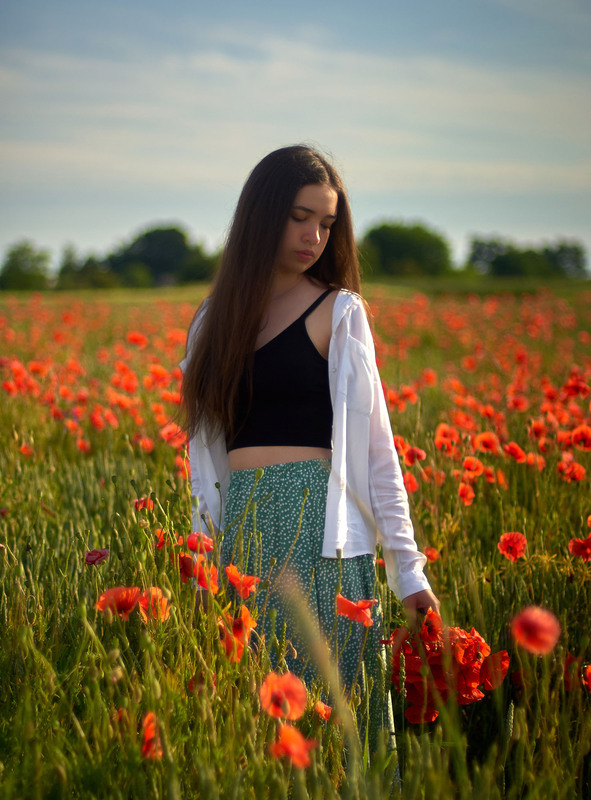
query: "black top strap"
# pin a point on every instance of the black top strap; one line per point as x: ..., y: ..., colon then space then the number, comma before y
x: 316, y: 303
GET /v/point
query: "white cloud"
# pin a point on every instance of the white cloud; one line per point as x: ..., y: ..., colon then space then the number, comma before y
x: 207, y: 116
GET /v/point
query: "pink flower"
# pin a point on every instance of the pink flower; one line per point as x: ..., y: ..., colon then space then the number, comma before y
x: 96, y: 556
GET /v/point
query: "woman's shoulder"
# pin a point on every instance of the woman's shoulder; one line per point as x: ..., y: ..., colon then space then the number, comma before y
x: 348, y: 303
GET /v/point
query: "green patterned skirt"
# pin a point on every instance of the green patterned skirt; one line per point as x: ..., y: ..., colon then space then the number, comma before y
x: 274, y: 529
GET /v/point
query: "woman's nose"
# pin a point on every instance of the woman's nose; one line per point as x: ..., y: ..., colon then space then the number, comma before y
x: 312, y: 234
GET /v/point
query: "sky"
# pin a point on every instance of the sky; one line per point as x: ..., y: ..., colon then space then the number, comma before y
x: 471, y: 116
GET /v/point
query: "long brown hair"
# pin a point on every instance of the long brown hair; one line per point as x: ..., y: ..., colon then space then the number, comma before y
x: 228, y: 333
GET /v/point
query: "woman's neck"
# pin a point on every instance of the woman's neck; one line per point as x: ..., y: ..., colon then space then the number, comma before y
x: 284, y: 284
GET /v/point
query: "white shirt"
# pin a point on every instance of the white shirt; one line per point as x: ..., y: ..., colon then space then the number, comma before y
x: 366, y: 500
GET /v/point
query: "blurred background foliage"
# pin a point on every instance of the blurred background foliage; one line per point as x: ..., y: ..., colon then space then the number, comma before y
x: 391, y: 249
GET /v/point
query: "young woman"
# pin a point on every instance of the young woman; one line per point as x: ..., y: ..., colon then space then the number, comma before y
x: 280, y: 378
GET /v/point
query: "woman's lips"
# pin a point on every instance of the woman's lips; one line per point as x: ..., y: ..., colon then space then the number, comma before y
x: 305, y: 255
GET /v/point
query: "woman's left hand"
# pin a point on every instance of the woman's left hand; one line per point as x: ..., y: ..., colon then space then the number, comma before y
x: 419, y: 603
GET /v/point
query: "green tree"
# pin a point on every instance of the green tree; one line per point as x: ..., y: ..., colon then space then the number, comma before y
x: 483, y: 252
x: 96, y: 274
x: 92, y: 273
x: 520, y: 263
x: 501, y: 258
x: 198, y: 266
x: 567, y: 258
x: 163, y: 251
x: 25, y: 267
x: 68, y: 273
x: 397, y: 248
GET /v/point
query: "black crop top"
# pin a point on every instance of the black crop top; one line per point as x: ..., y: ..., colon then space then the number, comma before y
x: 290, y: 392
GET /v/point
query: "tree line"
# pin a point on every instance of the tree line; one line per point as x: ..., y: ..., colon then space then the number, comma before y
x: 165, y: 256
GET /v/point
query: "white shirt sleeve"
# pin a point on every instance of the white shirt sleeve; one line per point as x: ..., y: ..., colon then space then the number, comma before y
x: 199, y: 502
x: 389, y: 499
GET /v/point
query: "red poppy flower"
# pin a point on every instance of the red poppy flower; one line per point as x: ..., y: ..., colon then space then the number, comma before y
x: 143, y: 502
x: 486, y: 442
x: 586, y: 677
x: 293, y: 745
x: 413, y: 454
x: 26, y: 450
x: 322, y: 710
x: 512, y: 545
x: 173, y: 435
x: 283, y: 696
x: 494, y: 669
x: 420, y: 710
x: 432, y: 627
x: 137, y: 338
x: 446, y: 437
x: 428, y: 377
x: 358, y: 612
x: 466, y: 493
x: 200, y: 542
x: 518, y: 403
x: 122, y: 599
x: 152, y: 600
x: 162, y: 538
x: 206, y: 574
x: 151, y: 747
x: 411, y: 484
x: 432, y: 553
x: 581, y: 437
x: 514, y: 450
x: 581, y: 547
x: 571, y: 471
x: 235, y: 633
x: 536, y: 630
x: 186, y: 565
x: 96, y: 556
x: 146, y: 444
x: 244, y: 584
x: 473, y: 465
x: 501, y: 480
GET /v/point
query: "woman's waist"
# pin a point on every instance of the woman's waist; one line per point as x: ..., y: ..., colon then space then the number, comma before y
x: 270, y: 455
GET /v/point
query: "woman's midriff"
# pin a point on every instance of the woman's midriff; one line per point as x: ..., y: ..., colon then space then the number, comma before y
x: 251, y: 457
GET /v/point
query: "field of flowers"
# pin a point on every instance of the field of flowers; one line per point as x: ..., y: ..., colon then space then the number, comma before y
x: 115, y: 683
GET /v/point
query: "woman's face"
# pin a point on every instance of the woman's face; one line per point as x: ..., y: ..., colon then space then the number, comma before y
x: 313, y: 212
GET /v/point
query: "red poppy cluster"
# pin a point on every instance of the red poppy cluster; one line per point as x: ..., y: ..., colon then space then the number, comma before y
x: 123, y: 599
x: 285, y: 697
x: 439, y: 663
x: 127, y: 387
